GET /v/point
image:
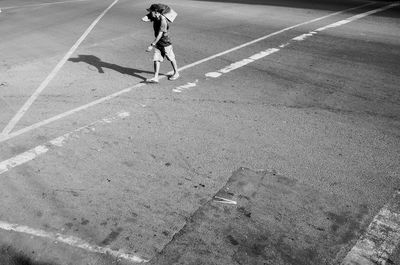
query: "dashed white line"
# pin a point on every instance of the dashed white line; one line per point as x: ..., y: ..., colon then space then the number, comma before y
x: 188, y: 85
x: 242, y: 63
x: 270, y: 35
x: 70, y: 240
x: 301, y: 37
x: 33, y: 153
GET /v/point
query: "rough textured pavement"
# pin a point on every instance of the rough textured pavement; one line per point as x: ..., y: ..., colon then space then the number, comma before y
x: 306, y: 139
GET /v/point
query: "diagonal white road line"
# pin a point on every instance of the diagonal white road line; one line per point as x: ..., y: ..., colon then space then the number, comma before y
x: 301, y: 37
x: 52, y: 74
x: 70, y: 240
x: 39, y: 150
x: 6, y: 135
x: 42, y: 4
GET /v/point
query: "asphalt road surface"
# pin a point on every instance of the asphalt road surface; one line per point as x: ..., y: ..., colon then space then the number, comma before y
x: 279, y: 143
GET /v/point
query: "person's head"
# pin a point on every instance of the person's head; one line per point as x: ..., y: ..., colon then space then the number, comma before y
x: 155, y: 11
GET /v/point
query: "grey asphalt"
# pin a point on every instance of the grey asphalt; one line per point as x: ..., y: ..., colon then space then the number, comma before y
x: 308, y: 137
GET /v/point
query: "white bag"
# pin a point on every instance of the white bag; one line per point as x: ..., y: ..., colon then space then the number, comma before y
x: 170, y: 15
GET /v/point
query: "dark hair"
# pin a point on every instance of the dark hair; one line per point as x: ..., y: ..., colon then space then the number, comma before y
x: 154, y: 7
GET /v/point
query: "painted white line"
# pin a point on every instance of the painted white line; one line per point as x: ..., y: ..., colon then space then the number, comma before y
x: 33, y: 153
x: 301, y: 37
x: 67, y: 113
x: 43, y: 4
x: 70, y: 240
x: 359, y: 16
x: 242, y: 63
x: 188, y: 85
x: 5, y: 137
x: 270, y: 35
x: 53, y: 73
x: 304, y: 36
x: 223, y: 200
x: 379, y: 241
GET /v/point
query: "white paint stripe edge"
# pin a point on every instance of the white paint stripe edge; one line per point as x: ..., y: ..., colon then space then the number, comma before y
x: 70, y: 240
x: 379, y: 241
x: 65, y: 114
x: 53, y: 73
x: 43, y: 4
x: 301, y: 37
x: 270, y: 35
x: 5, y: 137
x: 359, y: 16
x: 56, y: 142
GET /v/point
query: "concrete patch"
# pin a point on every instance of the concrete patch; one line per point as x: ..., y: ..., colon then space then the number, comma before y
x: 277, y: 220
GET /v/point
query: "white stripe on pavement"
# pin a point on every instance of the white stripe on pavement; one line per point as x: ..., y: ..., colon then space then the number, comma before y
x: 379, y: 241
x: 301, y: 37
x: 270, y: 35
x: 242, y: 63
x: 33, y: 153
x: 42, y: 4
x: 70, y: 240
x: 4, y: 137
x: 53, y: 73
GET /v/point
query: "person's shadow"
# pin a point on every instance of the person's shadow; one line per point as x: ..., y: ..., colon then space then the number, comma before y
x: 99, y: 64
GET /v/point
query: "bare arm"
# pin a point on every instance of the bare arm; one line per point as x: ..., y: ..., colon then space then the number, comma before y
x: 159, y: 35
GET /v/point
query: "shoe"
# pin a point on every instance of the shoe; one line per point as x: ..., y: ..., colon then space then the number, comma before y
x: 174, y: 77
x: 152, y: 80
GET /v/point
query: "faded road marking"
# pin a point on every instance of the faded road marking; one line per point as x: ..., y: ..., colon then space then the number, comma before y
x: 53, y: 73
x: 4, y: 137
x: 242, y: 63
x: 179, y: 89
x: 57, y: 142
x: 70, y: 240
x: 270, y: 35
x: 42, y: 4
x: 301, y: 37
x: 380, y: 240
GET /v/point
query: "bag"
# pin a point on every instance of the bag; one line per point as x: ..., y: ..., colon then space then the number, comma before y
x: 168, y: 12
x: 170, y: 15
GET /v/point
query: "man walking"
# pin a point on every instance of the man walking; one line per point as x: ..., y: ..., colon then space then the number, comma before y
x: 162, y: 44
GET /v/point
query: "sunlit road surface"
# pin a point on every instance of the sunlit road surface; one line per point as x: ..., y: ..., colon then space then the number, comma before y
x: 279, y: 143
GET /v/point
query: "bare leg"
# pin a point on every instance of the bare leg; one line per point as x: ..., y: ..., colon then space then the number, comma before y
x: 156, y: 68
x: 174, y: 66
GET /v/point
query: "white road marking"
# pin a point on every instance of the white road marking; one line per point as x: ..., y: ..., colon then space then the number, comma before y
x: 33, y: 153
x: 242, y: 63
x: 379, y: 241
x: 4, y: 137
x: 270, y: 35
x: 188, y: 85
x: 65, y: 114
x: 359, y: 16
x: 70, y: 240
x: 304, y: 36
x: 223, y: 200
x: 43, y: 4
x: 301, y: 37
x: 53, y: 73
